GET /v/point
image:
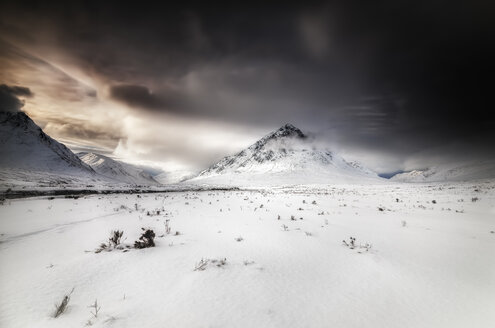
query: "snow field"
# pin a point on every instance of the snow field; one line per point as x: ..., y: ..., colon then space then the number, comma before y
x: 436, y: 270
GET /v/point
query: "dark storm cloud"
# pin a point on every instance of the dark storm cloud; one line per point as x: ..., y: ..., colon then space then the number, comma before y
x: 9, y: 97
x: 393, y: 76
x: 136, y: 95
x: 139, y: 96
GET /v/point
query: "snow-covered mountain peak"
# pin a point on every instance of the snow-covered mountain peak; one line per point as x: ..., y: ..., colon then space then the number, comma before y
x: 26, y: 146
x: 290, y: 156
x: 116, y: 170
x: 288, y: 130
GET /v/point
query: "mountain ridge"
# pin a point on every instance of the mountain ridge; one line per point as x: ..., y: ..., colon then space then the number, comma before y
x: 284, y: 154
x: 117, y: 170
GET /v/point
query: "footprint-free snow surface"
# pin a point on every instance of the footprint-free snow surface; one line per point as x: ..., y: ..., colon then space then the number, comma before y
x: 421, y: 256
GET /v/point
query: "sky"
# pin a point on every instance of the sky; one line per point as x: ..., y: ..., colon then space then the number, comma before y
x: 397, y: 85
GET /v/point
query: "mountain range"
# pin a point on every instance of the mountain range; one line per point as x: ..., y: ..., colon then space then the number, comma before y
x: 29, y: 157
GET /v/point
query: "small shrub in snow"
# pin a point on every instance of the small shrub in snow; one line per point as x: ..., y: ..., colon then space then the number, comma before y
x: 352, y: 244
x: 219, y: 263
x: 167, y: 227
x: 286, y: 228
x: 113, y: 241
x: 96, y: 308
x: 239, y: 239
x: 404, y: 223
x: 474, y: 199
x: 115, y: 237
x: 314, y: 202
x: 201, y: 265
x: 60, y: 308
x: 146, y: 240
x: 433, y: 201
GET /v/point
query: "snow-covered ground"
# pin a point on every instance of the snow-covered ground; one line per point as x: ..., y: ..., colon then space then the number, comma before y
x: 430, y: 263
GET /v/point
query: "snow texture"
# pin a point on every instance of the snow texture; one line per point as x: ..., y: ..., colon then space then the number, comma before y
x: 270, y: 258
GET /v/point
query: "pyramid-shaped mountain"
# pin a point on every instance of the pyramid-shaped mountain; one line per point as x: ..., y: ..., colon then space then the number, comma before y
x: 286, y: 155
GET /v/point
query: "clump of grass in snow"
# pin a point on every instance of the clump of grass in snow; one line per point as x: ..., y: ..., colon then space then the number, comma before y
x: 352, y: 244
x: 96, y: 308
x: 113, y: 241
x: 115, y: 237
x: 201, y: 265
x: 60, y: 308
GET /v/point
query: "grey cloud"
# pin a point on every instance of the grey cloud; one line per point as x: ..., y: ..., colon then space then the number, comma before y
x: 9, y: 97
x: 141, y: 97
x: 390, y: 77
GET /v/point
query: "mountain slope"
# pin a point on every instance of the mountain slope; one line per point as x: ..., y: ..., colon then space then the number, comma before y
x: 285, y: 156
x: 115, y: 170
x: 173, y: 177
x: 453, y: 172
x: 29, y: 156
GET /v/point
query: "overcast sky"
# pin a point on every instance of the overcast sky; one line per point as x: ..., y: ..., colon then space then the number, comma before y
x: 396, y: 84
